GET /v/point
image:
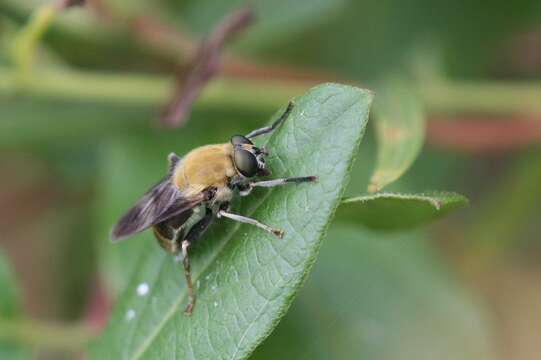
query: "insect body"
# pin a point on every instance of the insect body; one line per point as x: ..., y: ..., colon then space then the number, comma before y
x: 198, y: 189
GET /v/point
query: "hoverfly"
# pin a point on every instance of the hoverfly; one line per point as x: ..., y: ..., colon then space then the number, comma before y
x: 198, y: 189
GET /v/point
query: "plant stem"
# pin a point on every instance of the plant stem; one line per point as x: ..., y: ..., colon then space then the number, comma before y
x: 151, y: 90
x: 501, y: 98
x: 46, y: 336
x: 24, y: 46
x: 497, y: 98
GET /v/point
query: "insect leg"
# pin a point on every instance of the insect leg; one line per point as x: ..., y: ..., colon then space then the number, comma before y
x: 276, y: 182
x: 187, y: 273
x: 274, y: 125
x: 283, y: 181
x: 246, y: 220
x: 195, y: 232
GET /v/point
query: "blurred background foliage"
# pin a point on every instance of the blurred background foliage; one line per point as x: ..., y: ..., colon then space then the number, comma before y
x: 81, y: 91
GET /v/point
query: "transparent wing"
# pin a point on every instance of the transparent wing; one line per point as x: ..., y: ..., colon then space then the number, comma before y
x: 160, y: 203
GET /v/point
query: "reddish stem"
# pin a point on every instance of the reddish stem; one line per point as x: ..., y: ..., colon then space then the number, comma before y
x: 479, y: 134
x: 98, y: 307
x: 206, y: 65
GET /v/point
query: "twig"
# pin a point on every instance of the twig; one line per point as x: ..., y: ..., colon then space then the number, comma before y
x: 205, y: 66
x: 64, y: 4
x: 477, y: 134
x: 482, y: 97
x: 504, y: 99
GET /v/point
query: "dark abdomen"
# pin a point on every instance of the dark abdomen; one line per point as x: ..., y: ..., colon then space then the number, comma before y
x: 169, y: 233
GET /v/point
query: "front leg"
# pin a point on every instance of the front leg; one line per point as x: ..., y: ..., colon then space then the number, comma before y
x: 268, y: 129
x: 247, y: 188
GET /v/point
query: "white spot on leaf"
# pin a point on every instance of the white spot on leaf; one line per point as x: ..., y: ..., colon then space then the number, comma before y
x: 130, y: 314
x: 142, y: 289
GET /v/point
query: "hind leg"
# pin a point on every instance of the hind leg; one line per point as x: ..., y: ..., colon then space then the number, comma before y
x: 195, y: 232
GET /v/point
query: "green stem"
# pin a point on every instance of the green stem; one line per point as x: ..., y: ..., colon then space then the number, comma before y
x: 256, y: 94
x: 151, y: 90
x: 501, y: 98
x: 45, y: 335
x: 26, y: 41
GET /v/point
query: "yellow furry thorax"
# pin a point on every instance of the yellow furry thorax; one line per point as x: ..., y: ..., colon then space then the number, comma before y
x: 205, y: 166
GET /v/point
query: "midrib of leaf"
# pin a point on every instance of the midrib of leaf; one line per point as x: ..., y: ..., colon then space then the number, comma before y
x: 394, y: 211
x: 435, y: 203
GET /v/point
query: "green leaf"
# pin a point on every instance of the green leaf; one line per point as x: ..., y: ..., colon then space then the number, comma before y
x: 392, y: 211
x: 9, y: 310
x: 374, y: 295
x: 246, y: 279
x: 400, y: 128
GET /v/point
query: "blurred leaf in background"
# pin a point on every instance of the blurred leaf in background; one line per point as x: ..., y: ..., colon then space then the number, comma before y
x: 375, y: 296
x: 10, y: 310
x: 399, y: 121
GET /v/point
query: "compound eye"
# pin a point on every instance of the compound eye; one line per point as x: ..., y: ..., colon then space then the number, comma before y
x: 239, y: 139
x: 245, y: 162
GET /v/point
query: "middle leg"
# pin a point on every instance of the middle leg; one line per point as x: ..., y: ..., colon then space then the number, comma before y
x: 246, y: 220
